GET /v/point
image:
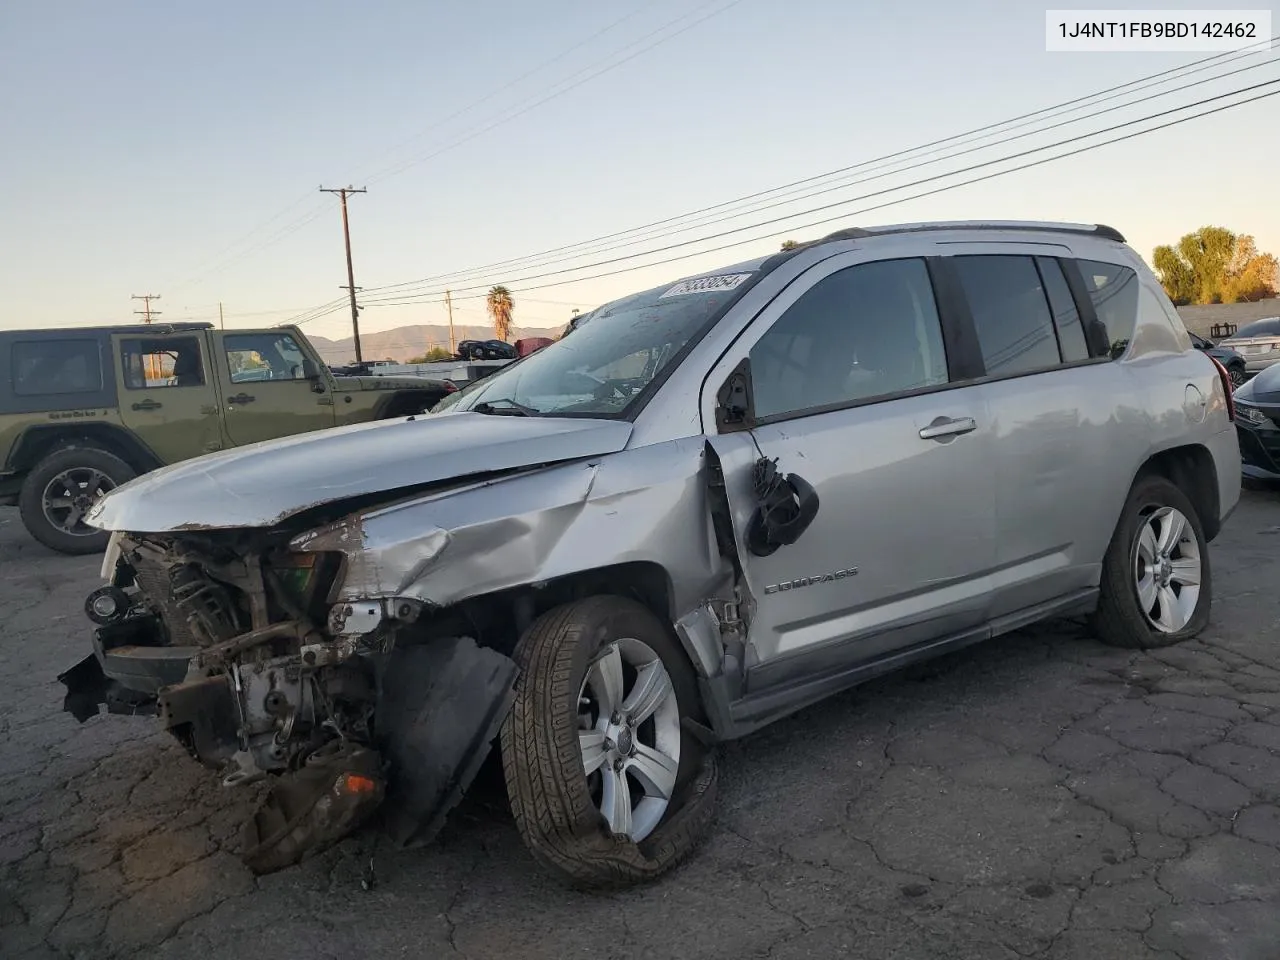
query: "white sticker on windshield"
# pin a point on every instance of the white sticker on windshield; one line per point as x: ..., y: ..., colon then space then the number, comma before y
x: 706, y: 285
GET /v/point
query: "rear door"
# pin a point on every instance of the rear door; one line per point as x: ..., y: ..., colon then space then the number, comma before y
x: 853, y: 391
x: 167, y: 395
x: 265, y: 391
x: 1052, y: 398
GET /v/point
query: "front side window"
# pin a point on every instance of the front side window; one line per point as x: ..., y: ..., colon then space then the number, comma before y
x: 1066, y: 318
x: 1114, y: 292
x: 169, y: 362
x: 264, y: 356
x: 50, y: 367
x: 863, y: 332
x: 1010, y: 313
x: 601, y: 368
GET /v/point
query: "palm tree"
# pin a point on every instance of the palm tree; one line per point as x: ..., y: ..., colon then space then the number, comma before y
x: 501, y: 306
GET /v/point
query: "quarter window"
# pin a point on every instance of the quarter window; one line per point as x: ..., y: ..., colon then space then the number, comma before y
x: 169, y: 362
x: 1114, y: 292
x: 50, y: 367
x: 864, y: 332
x: 1010, y: 313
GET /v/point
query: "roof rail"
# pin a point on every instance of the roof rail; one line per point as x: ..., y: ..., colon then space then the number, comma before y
x: 1085, y: 229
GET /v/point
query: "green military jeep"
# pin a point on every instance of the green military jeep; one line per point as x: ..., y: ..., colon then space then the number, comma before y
x: 82, y: 410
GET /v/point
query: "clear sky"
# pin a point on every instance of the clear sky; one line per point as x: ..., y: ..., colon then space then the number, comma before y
x: 177, y: 148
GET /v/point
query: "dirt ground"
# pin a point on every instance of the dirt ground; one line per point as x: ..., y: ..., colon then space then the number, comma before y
x: 1038, y: 796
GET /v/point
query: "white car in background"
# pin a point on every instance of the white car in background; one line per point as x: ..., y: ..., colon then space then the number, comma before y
x: 1257, y: 342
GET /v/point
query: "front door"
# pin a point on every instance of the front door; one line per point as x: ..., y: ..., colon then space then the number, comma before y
x: 265, y: 392
x: 167, y: 396
x: 853, y: 391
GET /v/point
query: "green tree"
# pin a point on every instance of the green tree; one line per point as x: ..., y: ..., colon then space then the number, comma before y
x: 789, y: 245
x: 1215, y: 265
x: 432, y: 355
x: 501, y: 307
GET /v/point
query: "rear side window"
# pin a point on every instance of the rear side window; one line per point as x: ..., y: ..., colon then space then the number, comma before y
x: 1114, y: 292
x: 166, y: 362
x: 1066, y: 318
x: 1010, y: 313
x: 50, y: 367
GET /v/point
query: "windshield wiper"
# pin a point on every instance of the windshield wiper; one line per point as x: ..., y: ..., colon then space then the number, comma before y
x: 512, y: 409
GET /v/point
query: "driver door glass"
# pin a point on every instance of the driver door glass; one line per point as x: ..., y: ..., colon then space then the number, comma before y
x: 867, y: 331
x: 266, y: 391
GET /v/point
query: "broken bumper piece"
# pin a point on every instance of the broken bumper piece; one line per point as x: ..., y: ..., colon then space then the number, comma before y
x: 439, y: 706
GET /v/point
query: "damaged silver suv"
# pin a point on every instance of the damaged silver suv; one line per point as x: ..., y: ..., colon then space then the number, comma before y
x: 709, y: 505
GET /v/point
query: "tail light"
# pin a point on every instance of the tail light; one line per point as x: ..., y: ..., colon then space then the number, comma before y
x: 1226, y: 387
x: 450, y: 387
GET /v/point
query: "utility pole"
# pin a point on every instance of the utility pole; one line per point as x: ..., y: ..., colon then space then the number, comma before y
x: 342, y: 193
x: 146, y: 312
x: 448, y: 303
x: 221, y: 323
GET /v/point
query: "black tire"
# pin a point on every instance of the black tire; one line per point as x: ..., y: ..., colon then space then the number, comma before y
x: 1120, y: 620
x: 542, y: 763
x: 31, y: 498
x: 1237, y: 375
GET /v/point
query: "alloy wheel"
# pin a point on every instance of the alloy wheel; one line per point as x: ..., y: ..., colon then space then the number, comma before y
x: 69, y: 496
x: 1167, y: 569
x: 629, y: 734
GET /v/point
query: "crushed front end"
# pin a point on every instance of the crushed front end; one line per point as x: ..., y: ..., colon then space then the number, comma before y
x: 234, y: 640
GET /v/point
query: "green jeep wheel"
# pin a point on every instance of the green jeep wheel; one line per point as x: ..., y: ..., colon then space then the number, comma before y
x: 59, y: 491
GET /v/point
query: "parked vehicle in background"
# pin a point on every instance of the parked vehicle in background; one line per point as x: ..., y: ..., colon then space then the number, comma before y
x: 1258, y: 423
x: 717, y: 502
x: 1233, y: 361
x: 85, y: 409
x: 1258, y: 342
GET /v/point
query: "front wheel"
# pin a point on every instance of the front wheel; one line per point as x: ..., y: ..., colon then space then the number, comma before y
x: 1156, y: 583
x: 607, y: 786
x: 1237, y: 376
x: 59, y: 491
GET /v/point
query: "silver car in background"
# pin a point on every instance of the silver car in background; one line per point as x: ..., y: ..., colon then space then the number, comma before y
x: 716, y: 502
x: 1258, y: 342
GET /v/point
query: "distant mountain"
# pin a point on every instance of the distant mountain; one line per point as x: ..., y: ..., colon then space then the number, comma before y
x: 402, y: 343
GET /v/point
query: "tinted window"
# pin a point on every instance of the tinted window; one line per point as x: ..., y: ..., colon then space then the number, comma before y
x: 167, y: 362
x: 263, y: 356
x: 44, y: 367
x: 1010, y: 312
x: 1259, y: 328
x: 1114, y: 291
x: 863, y: 332
x: 1066, y: 318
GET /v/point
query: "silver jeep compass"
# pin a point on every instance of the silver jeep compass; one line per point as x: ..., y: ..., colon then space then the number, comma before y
x: 706, y: 506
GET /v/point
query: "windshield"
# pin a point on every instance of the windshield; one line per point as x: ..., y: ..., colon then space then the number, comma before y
x: 1259, y: 328
x: 601, y: 367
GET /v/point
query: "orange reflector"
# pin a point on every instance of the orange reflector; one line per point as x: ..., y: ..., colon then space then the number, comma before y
x: 355, y: 783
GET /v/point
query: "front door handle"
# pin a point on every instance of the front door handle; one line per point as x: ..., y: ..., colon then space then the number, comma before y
x: 240, y: 398
x: 945, y: 427
x: 147, y: 405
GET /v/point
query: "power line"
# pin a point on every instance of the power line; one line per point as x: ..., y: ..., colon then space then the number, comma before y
x: 866, y: 196
x: 917, y: 196
x: 610, y: 64
x: 221, y: 263
x: 989, y: 130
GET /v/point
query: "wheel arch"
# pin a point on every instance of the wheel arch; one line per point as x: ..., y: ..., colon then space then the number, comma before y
x: 38, y: 442
x: 1192, y: 469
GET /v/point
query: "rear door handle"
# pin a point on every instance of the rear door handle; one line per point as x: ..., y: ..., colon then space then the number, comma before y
x: 946, y: 427
x: 147, y: 405
x: 240, y: 398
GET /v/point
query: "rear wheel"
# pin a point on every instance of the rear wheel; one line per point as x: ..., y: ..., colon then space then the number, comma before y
x: 61, y: 489
x: 607, y: 786
x: 1237, y: 375
x: 1156, y: 583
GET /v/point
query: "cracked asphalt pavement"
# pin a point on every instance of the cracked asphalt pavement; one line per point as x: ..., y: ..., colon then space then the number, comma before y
x: 1038, y: 796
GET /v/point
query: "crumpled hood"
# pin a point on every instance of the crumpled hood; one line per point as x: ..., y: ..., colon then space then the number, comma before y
x: 262, y: 484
